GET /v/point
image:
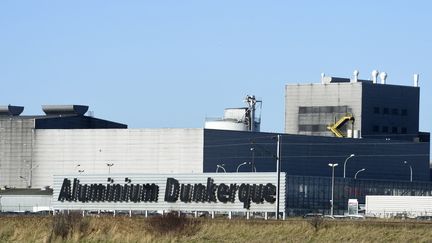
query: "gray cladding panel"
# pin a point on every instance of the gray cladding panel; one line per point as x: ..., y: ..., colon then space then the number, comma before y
x: 16, y: 145
x: 340, y: 94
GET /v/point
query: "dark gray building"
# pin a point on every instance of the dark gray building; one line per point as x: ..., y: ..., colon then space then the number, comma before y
x: 303, y: 155
x: 377, y: 110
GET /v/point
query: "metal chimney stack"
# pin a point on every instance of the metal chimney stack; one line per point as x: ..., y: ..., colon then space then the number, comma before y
x: 356, y: 75
x: 374, y: 76
x: 416, y: 80
x: 383, y: 77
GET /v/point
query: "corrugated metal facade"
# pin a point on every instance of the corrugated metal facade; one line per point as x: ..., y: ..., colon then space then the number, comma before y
x: 16, y: 143
x: 130, y: 150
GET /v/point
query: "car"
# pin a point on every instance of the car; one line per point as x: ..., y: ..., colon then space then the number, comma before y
x: 313, y: 215
x: 424, y: 217
x: 355, y: 216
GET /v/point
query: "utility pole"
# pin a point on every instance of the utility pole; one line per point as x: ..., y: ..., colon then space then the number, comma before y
x: 333, y: 165
x: 278, y: 165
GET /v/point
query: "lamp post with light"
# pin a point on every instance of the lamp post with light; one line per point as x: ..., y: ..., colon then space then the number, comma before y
x: 221, y: 166
x: 240, y: 165
x: 346, y: 160
x: 333, y: 165
x: 109, y: 167
x: 411, y: 173
x: 355, y: 176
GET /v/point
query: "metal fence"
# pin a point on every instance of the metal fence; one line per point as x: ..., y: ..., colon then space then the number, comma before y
x: 307, y: 194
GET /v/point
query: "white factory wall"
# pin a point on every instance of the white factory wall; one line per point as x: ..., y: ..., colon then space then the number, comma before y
x: 389, y: 206
x: 25, y: 203
x: 62, y: 151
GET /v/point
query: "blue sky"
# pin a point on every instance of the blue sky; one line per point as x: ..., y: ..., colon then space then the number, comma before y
x: 172, y: 63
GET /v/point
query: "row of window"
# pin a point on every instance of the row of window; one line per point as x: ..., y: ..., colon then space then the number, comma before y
x: 312, y: 128
x: 386, y: 129
x: 388, y: 111
x: 323, y: 109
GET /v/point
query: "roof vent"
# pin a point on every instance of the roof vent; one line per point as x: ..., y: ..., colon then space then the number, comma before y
x: 416, y: 80
x: 383, y: 77
x: 374, y: 76
x: 65, y: 109
x: 11, y: 110
x: 356, y: 75
x: 322, y: 78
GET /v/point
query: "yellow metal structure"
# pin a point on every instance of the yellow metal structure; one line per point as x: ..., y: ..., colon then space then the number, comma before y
x: 335, y: 127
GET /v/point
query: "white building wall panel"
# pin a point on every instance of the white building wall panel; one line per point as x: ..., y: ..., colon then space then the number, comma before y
x: 386, y: 206
x: 61, y: 151
x: 25, y: 203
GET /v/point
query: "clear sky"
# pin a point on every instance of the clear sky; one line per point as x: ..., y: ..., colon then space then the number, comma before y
x: 172, y: 63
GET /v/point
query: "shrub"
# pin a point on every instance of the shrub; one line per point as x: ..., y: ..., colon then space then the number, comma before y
x: 172, y: 223
x: 316, y: 222
x: 64, y: 224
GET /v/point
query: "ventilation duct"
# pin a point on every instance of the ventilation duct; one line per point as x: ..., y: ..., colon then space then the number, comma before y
x: 11, y: 110
x: 65, y: 109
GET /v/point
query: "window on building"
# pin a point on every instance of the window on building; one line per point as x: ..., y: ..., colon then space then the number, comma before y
x: 385, y: 111
x: 376, y: 110
x: 395, y: 111
x: 394, y: 130
x: 404, y: 130
x: 404, y: 112
x: 375, y: 128
x: 385, y: 129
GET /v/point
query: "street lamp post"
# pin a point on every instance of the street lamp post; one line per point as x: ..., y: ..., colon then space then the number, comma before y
x: 31, y: 175
x: 278, y: 169
x: 346, y: 160
x: 109, y: 167
x: 411, y: 173
x: 24, y: 179
x: 333, y: 165
x: 355, y: 176
x: 240, y: 165
x: 253, y: 159
x: 220, y: 166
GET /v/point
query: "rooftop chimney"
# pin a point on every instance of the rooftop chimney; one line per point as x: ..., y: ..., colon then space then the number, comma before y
x: 322, y: 78
x: 374, y: 76
x: 356, y: 74
x: 416, y: 80
x: 383, y: 77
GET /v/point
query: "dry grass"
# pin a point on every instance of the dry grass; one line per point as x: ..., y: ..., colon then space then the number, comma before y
x: 124, y: 229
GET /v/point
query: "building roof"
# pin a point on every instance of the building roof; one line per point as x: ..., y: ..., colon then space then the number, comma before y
x: 26, y: 192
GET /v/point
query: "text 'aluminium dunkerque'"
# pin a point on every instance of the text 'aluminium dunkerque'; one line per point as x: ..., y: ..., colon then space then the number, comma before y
x: 174, y: 192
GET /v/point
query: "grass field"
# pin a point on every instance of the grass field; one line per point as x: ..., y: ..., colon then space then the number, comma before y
x: 136, y: 229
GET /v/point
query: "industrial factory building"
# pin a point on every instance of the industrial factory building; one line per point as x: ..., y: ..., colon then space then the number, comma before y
x: 371, y: 127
